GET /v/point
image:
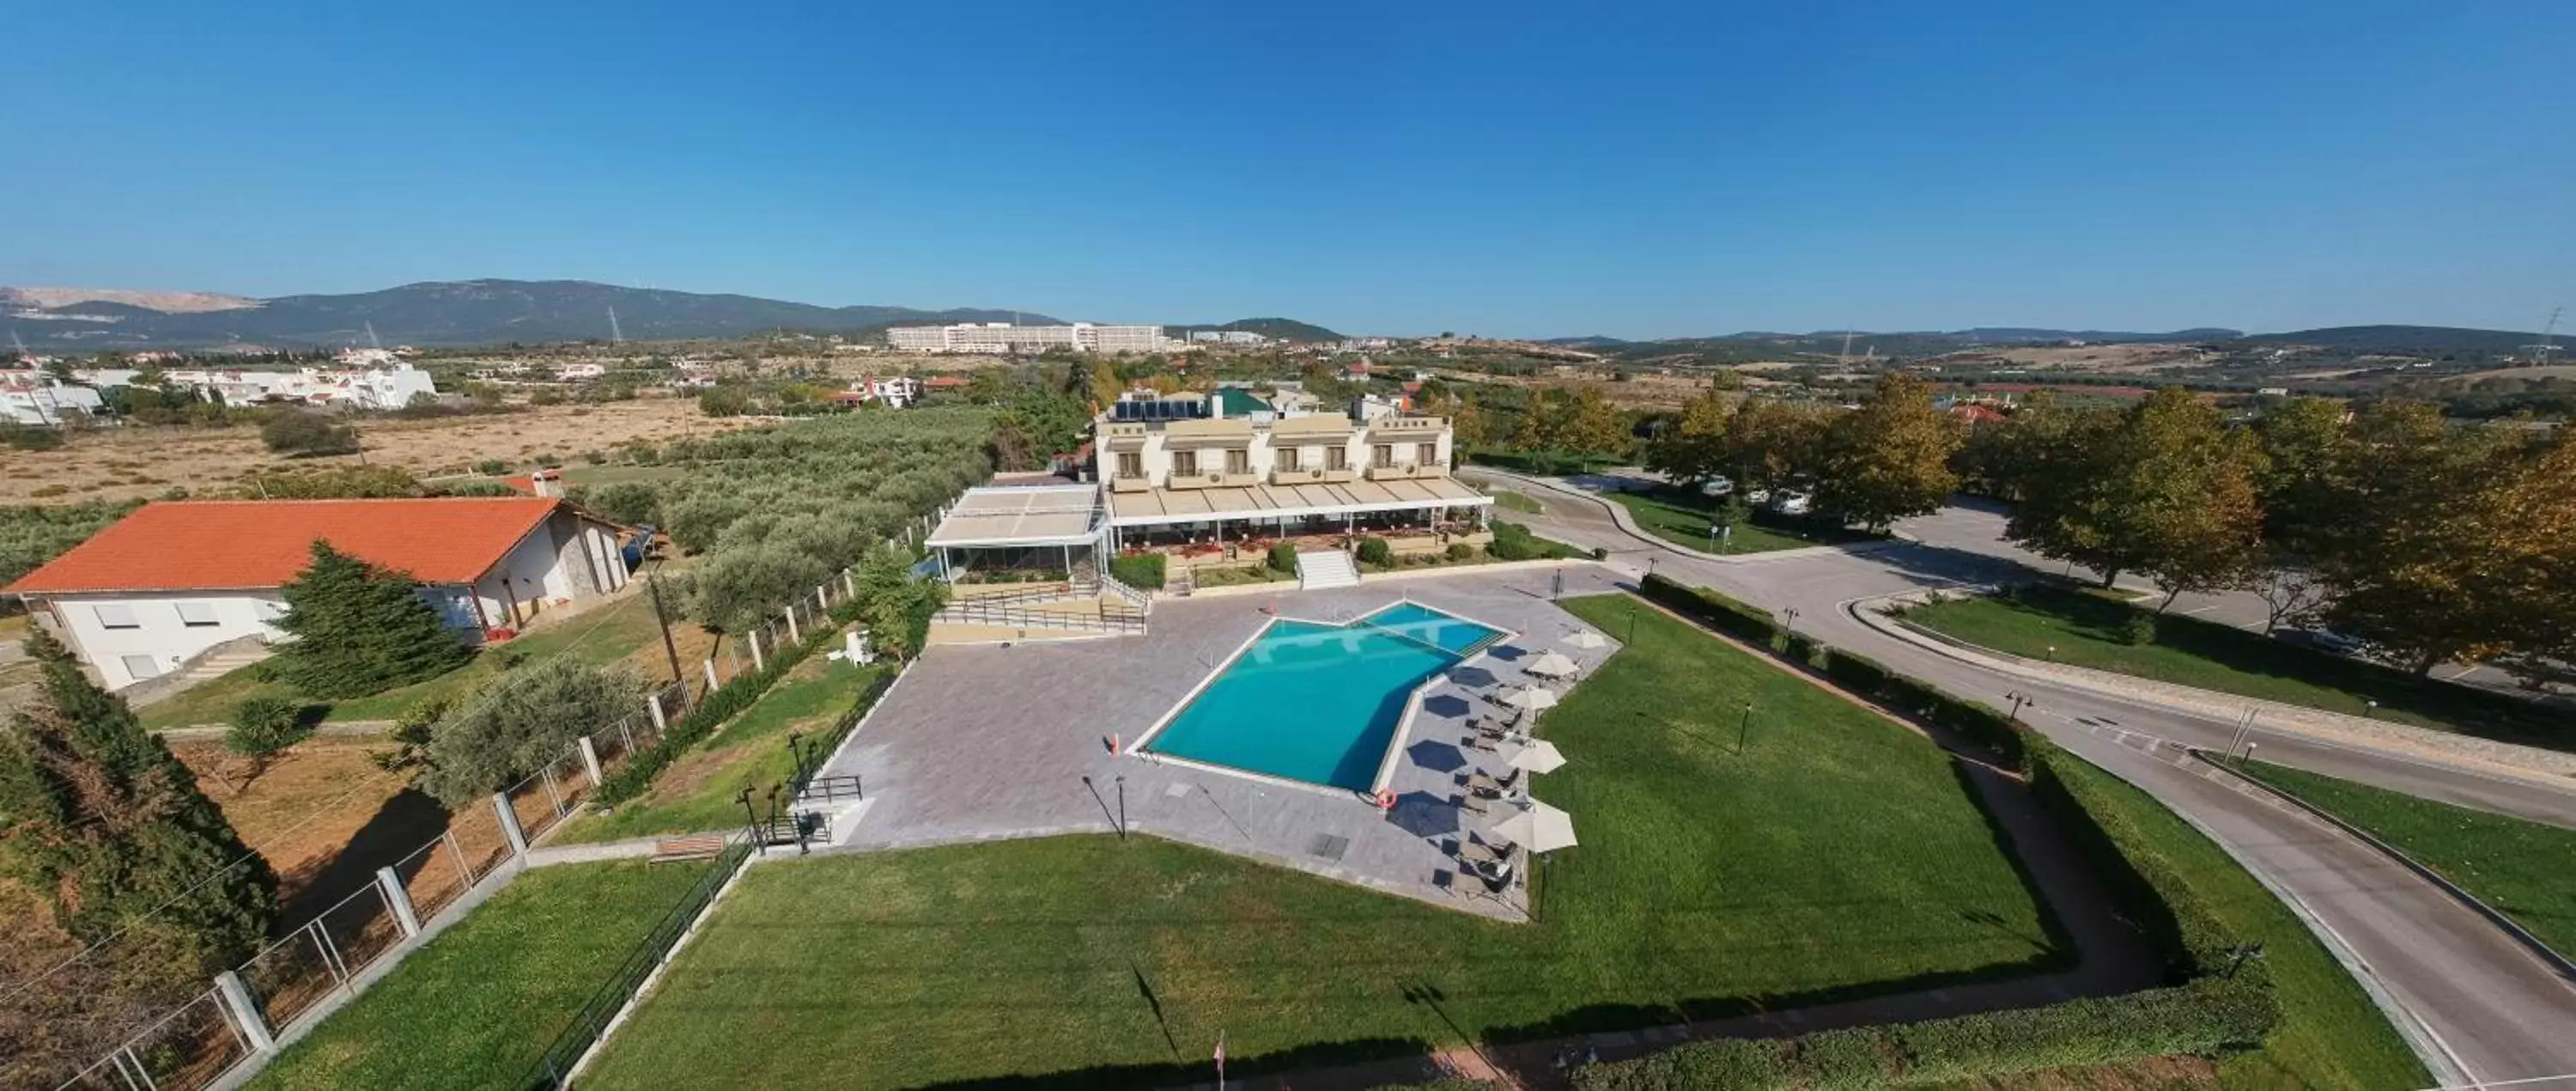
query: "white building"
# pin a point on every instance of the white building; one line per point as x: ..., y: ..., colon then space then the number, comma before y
x: 1002, y: 338
x: 896, y: 391
x: 373, y: 388
x: 35, y: 398
x: 164, y: 585
x: 1228, y: 337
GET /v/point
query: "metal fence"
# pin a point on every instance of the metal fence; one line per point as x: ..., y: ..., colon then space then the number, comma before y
x: 294, y: 977
x: 556, y: 1066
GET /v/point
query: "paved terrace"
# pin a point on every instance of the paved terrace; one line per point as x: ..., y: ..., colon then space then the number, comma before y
x: 986, y: 742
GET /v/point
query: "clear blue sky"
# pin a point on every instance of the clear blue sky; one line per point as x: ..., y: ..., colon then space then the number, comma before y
x: 1375, y: 167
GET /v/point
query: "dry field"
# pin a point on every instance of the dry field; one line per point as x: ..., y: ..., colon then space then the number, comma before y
x: 127, y: 463
x: 2111, y: 359
x: 1643, y: 390
x: 311, y: 803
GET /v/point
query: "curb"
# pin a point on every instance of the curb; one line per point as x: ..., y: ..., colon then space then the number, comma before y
x: 2566, y: 967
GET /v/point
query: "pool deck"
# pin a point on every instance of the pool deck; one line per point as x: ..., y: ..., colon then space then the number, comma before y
x: 990, y: 742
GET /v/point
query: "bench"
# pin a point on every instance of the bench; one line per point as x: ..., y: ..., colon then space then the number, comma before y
x: 676, y: 849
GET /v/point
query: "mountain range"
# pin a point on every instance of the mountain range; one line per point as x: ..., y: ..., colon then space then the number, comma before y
x: 466, y: 312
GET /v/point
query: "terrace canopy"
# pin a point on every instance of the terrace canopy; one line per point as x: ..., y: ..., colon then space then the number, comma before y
x: 1337, y: 503
x: 1023, y: 528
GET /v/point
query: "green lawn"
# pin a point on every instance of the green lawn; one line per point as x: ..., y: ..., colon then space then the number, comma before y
x: 604, y: 635
x: 2086, y: 630
x: 2521, y: 868
x: 1508, y: 499
x: 2330, y: 1036
x: 1836, y: 856
x: 697, y: 793
x: 1684, y: 521
x: 481, y: 1003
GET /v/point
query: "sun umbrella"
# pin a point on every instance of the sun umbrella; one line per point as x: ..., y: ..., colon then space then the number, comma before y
x: 1541, y: 756
x: 1552, y: 665
x: 1541, y: 828
x: 1532, y: 698
x: 1587, y: 639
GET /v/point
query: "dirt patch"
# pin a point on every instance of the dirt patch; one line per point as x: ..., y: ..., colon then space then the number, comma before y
x: 129, y: 463
x: 312, y: 804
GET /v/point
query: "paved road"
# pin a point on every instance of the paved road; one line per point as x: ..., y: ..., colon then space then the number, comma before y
x: 2478, y: 1006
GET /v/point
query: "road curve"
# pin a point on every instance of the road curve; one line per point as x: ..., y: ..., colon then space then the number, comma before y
x: 2477, y: 1006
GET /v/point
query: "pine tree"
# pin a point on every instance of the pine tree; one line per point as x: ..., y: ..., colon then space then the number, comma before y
x: 98, y: 818
x: 360, y: 629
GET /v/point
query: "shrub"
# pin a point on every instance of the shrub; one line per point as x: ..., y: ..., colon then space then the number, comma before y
x: 594, y: 457
x: 262, y: 726
x: 1748, y: 622
x: 491, y: 466
x: 1600, y: 553
x: 2139, y: 628
x: 1376, y: 551
x: 30, y: 437
x: 1139, y: 570
x: 297, y: 432
x: 522, y: 721
x: 43, y: 492
x: 633, y: 503
x: 1511, y: 543
x: 1283, y: 557
x: 1460, y: 551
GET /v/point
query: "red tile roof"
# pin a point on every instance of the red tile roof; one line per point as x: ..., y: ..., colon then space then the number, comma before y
x: 191, y: 545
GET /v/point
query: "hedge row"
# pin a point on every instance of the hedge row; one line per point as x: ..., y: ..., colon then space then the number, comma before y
x: 1923, y: 701
x: 737, y: 694
x: 1143, y: 571
x: 2203, y: 1017
x: 1741, y: 619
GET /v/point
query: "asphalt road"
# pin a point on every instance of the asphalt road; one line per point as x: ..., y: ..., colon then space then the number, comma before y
x: 2478, y: 1006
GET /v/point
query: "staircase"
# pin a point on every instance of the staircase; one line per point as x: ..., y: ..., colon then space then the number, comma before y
x: 214, y: 662
x: 1325, y: 568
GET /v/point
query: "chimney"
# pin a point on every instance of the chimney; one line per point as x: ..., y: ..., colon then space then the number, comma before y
x: 547, y: 482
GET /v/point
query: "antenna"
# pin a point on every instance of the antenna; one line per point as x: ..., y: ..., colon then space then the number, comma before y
x: 2539, y: 353
x: 616, y: 336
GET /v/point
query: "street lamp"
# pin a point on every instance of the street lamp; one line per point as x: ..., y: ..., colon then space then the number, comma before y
x: 2020, y: 701
x: 1745, y: 729
x: 1792, y: 614
x: 2052, y: 653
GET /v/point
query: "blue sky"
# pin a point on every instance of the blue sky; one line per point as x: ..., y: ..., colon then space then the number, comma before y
x: 1398, y: 168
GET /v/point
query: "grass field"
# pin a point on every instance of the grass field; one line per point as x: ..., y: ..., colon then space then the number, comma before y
x: 1505, y: 498
x: 2525, y: 869
x: 697, y: 793
x: 1835, y: 856
x: 606, y: 634
x: 2086, y: 631
x: 481, y: 1003
x: 2330, y: 1037
x: 1685, y: 522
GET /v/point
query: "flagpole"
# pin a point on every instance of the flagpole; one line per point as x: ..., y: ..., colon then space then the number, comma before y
x: 1220, y: 1060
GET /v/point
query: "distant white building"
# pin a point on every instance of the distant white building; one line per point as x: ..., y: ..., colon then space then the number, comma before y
x: 373, y: 388
x: 1228, y: 337
x: 896, y: 391
x: 35, y: 398
x: 1004, y: 338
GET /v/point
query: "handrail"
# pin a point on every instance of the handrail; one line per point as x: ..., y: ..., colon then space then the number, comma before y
x: 1051, y: 589
x: 1118, y: 587
x: 984, y: 614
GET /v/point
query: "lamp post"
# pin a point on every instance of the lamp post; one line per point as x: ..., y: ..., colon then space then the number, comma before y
x: 795, y: 757
x: 1791, y: 614
x: 2020, y: 701
x: 1744, y: 730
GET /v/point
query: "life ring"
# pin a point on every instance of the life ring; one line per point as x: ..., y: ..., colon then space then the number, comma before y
x: 1386, y: 799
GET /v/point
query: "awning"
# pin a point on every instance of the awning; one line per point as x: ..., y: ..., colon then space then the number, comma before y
x: 1155, y: 507
x: 1041, y: 515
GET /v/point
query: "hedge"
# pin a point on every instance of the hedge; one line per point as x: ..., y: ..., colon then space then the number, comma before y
x: 2203, y: 1017
x: 721, y: 704
x: 1741, y: 619
x: 1924, y: 701
x: 1143, y: 571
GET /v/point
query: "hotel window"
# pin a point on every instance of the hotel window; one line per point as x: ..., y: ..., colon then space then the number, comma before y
x: 197, y: 615
x: 1382, y: 455
x: 116, y: 616
x: 1287, y: 457
x: 1337, y: 458
x: 1426, y: 454
x: 1185, y: 463
x: 1131, y: 464
x: 1238, y: 461
x: 139, y: 667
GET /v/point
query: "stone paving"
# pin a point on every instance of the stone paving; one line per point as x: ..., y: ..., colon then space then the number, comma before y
x: 988, y: 742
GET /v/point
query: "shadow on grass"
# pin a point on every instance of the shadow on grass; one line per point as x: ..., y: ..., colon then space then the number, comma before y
x: 403, y: 824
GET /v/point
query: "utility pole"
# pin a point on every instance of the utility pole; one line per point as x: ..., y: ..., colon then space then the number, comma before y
x: 670, y: 647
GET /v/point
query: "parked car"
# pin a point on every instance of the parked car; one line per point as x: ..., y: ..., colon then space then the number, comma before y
x: 1758, y: 497
x: 1794, y: 503
x: 2328, y: 640
x: 1716, y: 486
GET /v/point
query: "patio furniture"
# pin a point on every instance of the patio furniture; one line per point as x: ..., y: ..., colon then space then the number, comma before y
x: 1489, y: 786
x: 1541, y: 828
x: 1539, y: 757
x: 1497, y: 875
x: 1552, y: 665
x: 1587, y: 639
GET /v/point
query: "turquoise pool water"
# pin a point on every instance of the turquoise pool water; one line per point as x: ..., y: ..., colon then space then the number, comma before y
x: 1319, y: 703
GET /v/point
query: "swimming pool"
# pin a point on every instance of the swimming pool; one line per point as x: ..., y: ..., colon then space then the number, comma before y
x: 1319, y: 703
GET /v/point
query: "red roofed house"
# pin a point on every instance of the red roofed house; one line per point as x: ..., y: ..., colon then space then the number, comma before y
x: 176, y: 578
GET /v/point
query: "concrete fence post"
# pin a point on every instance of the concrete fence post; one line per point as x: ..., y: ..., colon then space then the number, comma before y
x: 758, y: 664
x: 653, y: 704
x: 822, y: 598
x: 510, y: 830
x: 400, y: 900
x: 244, y: 1011
x: 793, y: 637
x: 590, y: 761
x: 711, y: 675
x: 849, y: 586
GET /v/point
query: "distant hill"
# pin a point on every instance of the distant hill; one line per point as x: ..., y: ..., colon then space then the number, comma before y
x: 469, y: 312
x: 2403, y: 339
x: 2098, y: 337
x: 1277, y: 329
x: 1588, y: 341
